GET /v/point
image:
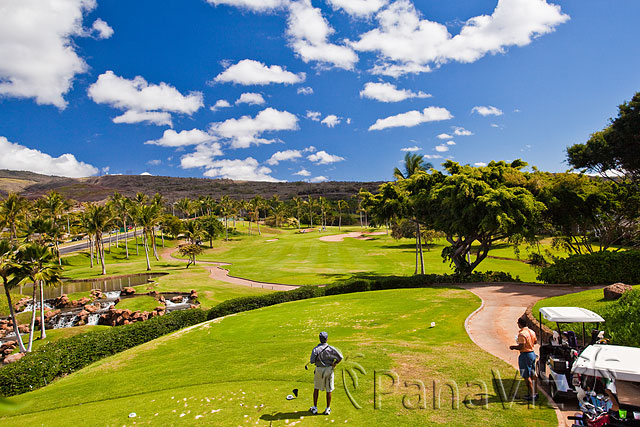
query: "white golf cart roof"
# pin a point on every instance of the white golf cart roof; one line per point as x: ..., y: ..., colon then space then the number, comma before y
x: 570, y: 315
x: 609, y: 361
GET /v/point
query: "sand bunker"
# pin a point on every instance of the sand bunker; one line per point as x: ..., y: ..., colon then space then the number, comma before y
x: 354, y: 234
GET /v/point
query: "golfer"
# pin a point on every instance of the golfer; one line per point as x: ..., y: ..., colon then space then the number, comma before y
x: 527, y: 359
x: 325, y: 357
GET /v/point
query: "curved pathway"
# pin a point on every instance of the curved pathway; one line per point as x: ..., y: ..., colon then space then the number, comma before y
x: 493, y: 326
x: 221, y: 274
x: 353, y: 234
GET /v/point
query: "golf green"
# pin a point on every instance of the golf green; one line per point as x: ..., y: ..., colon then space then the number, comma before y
x: 238, y: 370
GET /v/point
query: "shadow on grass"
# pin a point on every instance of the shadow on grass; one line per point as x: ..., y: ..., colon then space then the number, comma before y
x: 285, y: 416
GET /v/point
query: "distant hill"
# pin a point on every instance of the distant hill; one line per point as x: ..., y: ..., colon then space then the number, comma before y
x: 95, y: 189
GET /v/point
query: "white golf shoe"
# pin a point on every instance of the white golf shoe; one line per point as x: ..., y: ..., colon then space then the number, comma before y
x: 327, y: 411
x: 313, y: 410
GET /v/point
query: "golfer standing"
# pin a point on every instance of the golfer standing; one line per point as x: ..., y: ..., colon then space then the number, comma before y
x: 325, y: 357
x: 527, y: 358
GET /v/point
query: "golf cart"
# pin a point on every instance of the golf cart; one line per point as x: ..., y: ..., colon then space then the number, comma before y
x: 607, y: 381
x: 558, y: 355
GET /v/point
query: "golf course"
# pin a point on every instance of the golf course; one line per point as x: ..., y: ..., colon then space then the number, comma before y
x: 239, y: 369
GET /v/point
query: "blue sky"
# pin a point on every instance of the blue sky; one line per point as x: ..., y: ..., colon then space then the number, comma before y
x: 306, y: 90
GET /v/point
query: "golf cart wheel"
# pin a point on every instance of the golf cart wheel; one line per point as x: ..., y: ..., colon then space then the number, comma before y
x: 553, y: 392
x: 540, y: 367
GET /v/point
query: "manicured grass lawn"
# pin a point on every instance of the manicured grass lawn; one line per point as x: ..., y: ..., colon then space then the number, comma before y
x: 56, y: 334
x: 238, y: 370
x: 142, y: 303
x: 303, y: 259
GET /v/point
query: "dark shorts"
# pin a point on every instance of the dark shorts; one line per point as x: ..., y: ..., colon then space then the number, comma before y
x: 527, y: 364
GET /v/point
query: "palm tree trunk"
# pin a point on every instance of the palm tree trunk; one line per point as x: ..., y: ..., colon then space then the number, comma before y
x: 32, y: 325
x: 104, y: 266
x: 43, y: 333
x: 58, y: 251
x: 109, y: 242
x: 126, y: 245
x: 162, y: 236
x: 153, y: 242
x: 417, y: 250
x: 226, y: 230
x: 16, y: 329
x: 146, y: 250
x: 136, y: 236
x: 420, y: 250
x: 91, y: 251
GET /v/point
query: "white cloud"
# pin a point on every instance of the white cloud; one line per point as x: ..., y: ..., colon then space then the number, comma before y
x: 411, y: 149
x: 141, y: 100
x: 442, y: 148
x: 412, y: 118
x: 406, y: 43
x: 309, y: 149
x: 461, y: 131
x: 308, y: 32
x: 324, y: 158
x: 250, y: 98
x: 303, y: 172
x: 220, y: 104
x: 331, y: 120
x: 314, y: 115
x: 154, y: 162
x: 202, y: 157
x: 358, y: 8
x: 432, y: 156
x: 517, y: 110
x: 387, y: 92
x: 171, y: 138
x: 444, y: 136
x: 319, y: 179
x: 38, y: 58
x: 451, y: 143
x: 281, y: 156
x: 105, y: 170
x: 246, y: 130
x: 145, y: 174
x: 250, y: 72
x: 479, y: 164
x: 159, y: 118
x: 20, y: 158
x: 242, y: 170
x: 305, y: 91
x: 494, y: 125
x: 348, y: 121
x: 487, y: 110
x: 102, y: 29
x: 254, y: 5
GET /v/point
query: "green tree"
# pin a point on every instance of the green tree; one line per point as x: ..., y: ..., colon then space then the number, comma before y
x: 413, y: 163
x: 342, y: 205
x: 122, y: 207
x: 211, y: 227
x: 148, y: 216
x: 37, y: 265
x: 226, y: 208
x: 96, y: 220
x: 482, y: 205
x: 192, y: 231
x: 172, y: 225
x: 298, y: 203
x: 191, y: 250
x: 616, y: 147
x: 8, y: 268
x: 12, y: 210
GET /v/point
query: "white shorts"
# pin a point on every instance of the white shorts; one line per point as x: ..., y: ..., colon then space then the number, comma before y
x: 323, y: 378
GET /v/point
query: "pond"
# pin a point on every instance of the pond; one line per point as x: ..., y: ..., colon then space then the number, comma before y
x: 105, y: 285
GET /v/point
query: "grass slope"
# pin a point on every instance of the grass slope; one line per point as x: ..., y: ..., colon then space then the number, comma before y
x: 238, y: 370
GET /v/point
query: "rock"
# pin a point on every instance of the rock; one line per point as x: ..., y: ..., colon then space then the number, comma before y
x: 83, y: 301
x: 127, y: 314
x: 24, y: 329
x: 128, y: 291
x: 62, y: 302
x: 21, y: 304
x: 193, y: 306
x: 154, y: 294
x: 13, y: 358
x: 159, y: 308
x: 96, y: 293
x: 615, y: 291
x: 177, y: 299
x: 91, y: 308
x: 193, y: 295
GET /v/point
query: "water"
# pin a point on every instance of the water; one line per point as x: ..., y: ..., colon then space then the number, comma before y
x: 29, y: 307
x: 65, y: 321
x: 173, y: 306
x: 93, y: 319
x: 105, y: 285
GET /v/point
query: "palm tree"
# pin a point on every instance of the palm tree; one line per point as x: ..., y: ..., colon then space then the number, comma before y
x: 12, y: 210
x: 8, y: 267
x: 412, y: 163
x: 341, y: 205
x: 121, y: 207
x: 226, y: 207
x: 192, y: 231
x: 311, y: 204
x: 97, y: 219
x: 37, y: 265
x: 55, y: 205
x: 324, y: 205
x: 148, y: 217
x: 298, y: 203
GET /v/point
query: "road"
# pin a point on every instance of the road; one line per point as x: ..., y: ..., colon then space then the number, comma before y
x: 83, y: 244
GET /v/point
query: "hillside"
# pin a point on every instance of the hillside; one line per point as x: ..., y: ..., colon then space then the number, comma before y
x: 173, y: 188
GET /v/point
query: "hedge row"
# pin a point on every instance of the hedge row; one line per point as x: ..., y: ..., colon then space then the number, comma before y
x: 623, y: 319
x: 238, y: 305
x: 67, y: 355
x: 599, y: 268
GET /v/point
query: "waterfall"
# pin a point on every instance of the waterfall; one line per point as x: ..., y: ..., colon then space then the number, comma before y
x: 93, y: 319
x: 66, y: 321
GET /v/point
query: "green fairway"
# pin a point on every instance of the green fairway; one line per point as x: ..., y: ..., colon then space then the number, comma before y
x: 238, y: 370
x: 302, y: 259
x: 141, y: 303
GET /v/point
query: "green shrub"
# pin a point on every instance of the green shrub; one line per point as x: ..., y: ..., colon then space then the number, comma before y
x: 67, y: 355
x: 622, y: 319
x: 600, y: 268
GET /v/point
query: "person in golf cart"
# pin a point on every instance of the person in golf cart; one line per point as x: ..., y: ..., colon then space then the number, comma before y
x: 325, y: 357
